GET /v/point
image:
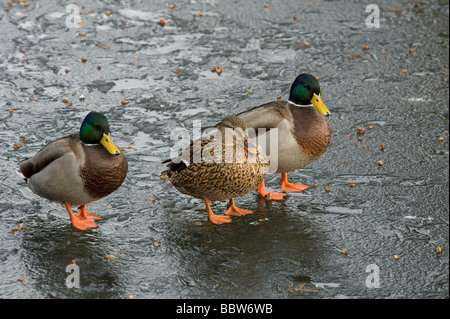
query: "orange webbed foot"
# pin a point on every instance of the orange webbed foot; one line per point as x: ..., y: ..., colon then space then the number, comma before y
x: 274, y: 195
x: 269, y: 194
x: 84, y: 214
x: 213, y: 218
x: 233, y: 210
x: 290, y: 187
x: 82, y: 224
x: 219, y: 219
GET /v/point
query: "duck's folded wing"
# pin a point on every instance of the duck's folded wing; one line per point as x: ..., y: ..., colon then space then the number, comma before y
x: 45, y: 156
x: 265, y: 116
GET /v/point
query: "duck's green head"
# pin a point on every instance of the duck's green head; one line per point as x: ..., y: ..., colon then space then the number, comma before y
x: 95, y: 130
x: 306, y: 90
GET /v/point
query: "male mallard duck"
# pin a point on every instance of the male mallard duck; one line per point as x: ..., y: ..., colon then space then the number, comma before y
x: 78, y: 169
x: 217, y: 167
x: 303, y: 133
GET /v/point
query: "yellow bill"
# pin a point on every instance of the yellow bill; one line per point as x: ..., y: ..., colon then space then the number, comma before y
x: 109, y: 145
x: 318, y: 104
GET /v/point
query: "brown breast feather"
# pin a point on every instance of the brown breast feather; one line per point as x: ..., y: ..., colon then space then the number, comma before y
x: 102, y: 172
x: 311, y: 130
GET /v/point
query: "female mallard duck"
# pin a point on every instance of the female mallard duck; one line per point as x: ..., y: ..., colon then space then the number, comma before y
x: 78, y: 169
x: 303, y: 133
x: 219, y: 167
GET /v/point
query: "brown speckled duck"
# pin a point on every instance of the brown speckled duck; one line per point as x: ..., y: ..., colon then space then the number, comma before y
x: 303, y: 132
x: 78, y: 169
x: 219, y: 168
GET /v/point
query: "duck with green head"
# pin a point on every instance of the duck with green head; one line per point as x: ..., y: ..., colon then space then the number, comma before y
x: 78, y: 169
x: 303, y: 132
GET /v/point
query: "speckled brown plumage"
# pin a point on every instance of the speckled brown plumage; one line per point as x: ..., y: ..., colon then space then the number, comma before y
x: 225, y: 169
x: 217, y: 181
x: 218, y: 176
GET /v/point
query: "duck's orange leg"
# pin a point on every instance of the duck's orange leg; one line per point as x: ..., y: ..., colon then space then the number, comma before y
x: 84, y: 214
x: 268, y: 194
x: 289, y: 187
x: 213, y: 218
x: 236, y: 211
x: 80, y: 224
